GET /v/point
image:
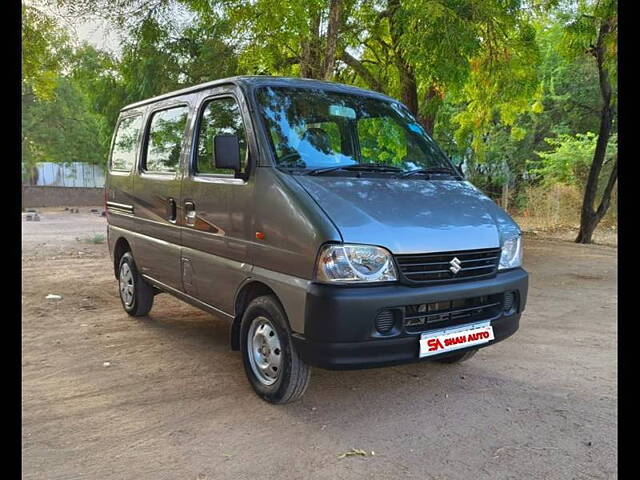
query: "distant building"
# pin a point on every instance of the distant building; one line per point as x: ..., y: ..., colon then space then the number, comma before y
x: 74, y: 174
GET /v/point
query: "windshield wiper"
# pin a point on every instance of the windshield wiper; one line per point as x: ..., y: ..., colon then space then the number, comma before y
x: 374, y: 167
x: 430, y: 170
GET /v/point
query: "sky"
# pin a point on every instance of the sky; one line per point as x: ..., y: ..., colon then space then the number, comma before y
x: 98, y: 32
x: 95, y: 31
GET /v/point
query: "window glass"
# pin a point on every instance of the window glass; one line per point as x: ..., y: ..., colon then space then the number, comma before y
x: 315, y: 128
x: 165, y: 139
x: 320, y: 138
x: 220, y: 116
x: 382, y: 140
x: 123, y: 155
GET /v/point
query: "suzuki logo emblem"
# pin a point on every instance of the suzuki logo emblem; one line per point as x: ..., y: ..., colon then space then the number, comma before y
x: 455, y: 265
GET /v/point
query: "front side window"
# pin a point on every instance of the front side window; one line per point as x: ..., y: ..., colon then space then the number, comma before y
x: 220, y: 116
x: 313, y: 128
x: 125, y: 145
x: 164, y: 144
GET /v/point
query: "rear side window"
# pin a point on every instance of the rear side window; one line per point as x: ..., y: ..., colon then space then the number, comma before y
x: 164, y: 144
x: 123, y: 155
x: 221, y: 116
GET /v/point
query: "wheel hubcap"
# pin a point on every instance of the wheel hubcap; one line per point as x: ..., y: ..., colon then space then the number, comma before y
x: 265, y: 353
x: 126, y: 284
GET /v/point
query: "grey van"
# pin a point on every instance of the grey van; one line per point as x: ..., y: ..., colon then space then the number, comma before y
x: 320, y: 219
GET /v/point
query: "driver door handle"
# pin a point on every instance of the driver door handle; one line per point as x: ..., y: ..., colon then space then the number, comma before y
x: 189, y: 213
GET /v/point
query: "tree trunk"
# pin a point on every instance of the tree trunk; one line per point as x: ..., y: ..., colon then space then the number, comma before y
x: 408, y: 85
x: 33, y: 174
x: 408, y: 88
x: 332, y: 39
x: 310, y: 64
x: 590, y: 218
x: 428, y: 120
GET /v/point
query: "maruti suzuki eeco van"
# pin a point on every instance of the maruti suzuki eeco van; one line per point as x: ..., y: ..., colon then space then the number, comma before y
x: 321, y: 220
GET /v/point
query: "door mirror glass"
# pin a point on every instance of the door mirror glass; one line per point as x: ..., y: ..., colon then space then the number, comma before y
x: 226, y: 152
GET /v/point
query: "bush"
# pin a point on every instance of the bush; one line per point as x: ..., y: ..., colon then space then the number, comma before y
x: 557, y: 206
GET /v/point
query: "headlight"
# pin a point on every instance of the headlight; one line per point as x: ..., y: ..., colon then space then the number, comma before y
x: 355, y: 264
x: 511, y: 256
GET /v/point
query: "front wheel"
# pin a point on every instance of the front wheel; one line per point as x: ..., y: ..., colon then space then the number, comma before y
x: 273, y: 367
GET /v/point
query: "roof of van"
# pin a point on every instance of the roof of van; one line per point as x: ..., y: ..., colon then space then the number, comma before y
x: 263, y: 80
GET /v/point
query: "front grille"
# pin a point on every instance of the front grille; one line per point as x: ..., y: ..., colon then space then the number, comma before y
x: 425, y: 316
x: 438, y: 267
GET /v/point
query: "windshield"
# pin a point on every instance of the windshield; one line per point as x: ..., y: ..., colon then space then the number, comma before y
x: 313, y: 128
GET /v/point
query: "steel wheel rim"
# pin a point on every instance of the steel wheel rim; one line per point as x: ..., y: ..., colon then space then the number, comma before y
x: 265, y: 351
x: 126, y: 284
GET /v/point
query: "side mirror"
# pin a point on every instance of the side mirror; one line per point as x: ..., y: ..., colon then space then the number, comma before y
x: 226, y: 151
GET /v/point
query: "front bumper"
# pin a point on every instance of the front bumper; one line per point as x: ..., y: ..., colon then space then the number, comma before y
x: 340, y: 321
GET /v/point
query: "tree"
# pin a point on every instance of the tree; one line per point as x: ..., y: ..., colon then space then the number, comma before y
x: 43, y: 47
x: 62, y: 129
x: 570, y: 158
x: 43, y: 55
x: 593, y: 32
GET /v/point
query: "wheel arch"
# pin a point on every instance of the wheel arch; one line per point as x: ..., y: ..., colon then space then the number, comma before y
x: 248, y: 291
x: 121, y: 247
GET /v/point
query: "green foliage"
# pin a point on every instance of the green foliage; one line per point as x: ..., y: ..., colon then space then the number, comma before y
x: 582, y: 26
x: 382, y: 141
x: 570, y: 158
x: 509, y: 87
x: 43, y: 46
x: 61, y: 129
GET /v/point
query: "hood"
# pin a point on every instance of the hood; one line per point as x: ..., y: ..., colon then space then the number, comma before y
x: 410, y: 216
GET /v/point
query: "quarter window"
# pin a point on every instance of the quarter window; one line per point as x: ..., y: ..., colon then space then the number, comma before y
x: 164, y: 145
x: 221, y: 116
x: 123, y: 155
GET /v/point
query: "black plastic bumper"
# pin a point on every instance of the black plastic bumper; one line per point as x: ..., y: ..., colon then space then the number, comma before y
x: 339, y: 322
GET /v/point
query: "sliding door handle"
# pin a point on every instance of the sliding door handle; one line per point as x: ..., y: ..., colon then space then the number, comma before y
x: 189, y: 213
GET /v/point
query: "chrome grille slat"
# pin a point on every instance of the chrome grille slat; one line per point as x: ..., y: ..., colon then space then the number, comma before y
x: 434, y: 267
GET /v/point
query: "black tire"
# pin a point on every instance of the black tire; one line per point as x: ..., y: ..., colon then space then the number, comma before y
x: 457, y: 357
x: 142, y: 292
x: 293, y: 374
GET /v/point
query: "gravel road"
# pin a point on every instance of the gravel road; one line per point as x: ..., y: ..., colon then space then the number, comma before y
x: 110, y: 397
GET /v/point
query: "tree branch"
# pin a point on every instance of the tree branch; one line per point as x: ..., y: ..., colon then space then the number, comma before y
x: 361, y: 70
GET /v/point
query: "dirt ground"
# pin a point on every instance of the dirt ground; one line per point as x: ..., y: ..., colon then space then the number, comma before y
x: 538, y: 227
x: 173, y: 401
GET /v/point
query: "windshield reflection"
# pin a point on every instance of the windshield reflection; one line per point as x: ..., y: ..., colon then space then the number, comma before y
x: 314, y: 129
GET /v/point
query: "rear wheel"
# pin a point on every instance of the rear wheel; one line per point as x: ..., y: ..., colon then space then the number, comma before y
x: 273, y: 367
x: 457, y: 357
x: 136, y: 294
